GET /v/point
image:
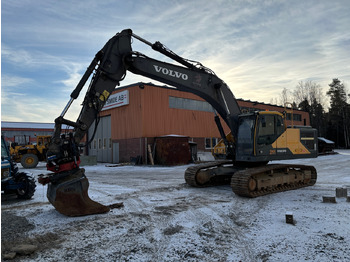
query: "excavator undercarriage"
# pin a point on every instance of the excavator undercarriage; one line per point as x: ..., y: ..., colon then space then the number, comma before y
x: 254, y: 181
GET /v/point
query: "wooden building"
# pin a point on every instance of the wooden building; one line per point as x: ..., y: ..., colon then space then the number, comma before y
x: 136, y: 115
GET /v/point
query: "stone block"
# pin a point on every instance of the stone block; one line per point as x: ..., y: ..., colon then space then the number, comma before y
x: 289, y: 218
x: 341, y: 192
x: 329, y: 199
x: 88, y: 160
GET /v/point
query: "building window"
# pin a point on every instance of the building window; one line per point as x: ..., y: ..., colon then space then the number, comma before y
x: 296, y: 117
x: 210, y: 142
x: 189, y: 104
x: 246, y: 110
x: 99, y: 143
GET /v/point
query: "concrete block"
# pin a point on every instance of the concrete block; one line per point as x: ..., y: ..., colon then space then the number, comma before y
x: 328, y: 199
x: 289, y: 218
x: 341, y: 192
x: 88, y: 160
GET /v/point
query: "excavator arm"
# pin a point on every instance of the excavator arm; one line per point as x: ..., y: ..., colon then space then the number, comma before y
x: 67, y: 190
x: 109, y: 67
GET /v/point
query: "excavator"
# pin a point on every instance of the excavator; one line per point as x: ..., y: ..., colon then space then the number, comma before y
x: 254, y: 139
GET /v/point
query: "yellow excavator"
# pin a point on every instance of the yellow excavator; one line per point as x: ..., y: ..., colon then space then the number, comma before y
x: 256, y: 138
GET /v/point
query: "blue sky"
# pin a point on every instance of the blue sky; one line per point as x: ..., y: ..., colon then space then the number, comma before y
x: 257, y: 47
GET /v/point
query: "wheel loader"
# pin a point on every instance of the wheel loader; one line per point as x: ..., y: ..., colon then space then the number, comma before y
x: 29, y: 155
x: 256, y: 138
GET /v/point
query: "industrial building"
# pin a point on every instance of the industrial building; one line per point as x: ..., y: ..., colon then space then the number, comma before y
x: 142, y: 118
x: 145, y: 122
x: 25, y: 132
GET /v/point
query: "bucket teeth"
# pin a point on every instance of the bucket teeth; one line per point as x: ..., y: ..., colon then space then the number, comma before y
x: 69, y: 195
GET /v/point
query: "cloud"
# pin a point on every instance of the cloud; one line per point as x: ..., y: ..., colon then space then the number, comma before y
x: 257, y: 47
x: 14, y: 81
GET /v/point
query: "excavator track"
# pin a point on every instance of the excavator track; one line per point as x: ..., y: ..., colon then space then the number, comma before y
x: 255, y: 182
x: 210, y: 174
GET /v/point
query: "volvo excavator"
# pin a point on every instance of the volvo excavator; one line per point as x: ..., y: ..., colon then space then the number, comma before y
x: 254, y: 139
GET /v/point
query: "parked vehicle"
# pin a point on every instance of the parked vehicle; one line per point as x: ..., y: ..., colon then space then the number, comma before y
x: 12, y: 181
x: 29, y: 155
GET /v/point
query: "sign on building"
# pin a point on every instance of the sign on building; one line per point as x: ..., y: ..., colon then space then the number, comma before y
x: 117, y: 100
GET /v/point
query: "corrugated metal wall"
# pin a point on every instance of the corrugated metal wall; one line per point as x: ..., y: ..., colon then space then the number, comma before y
x: 127, y: 120
x: 149, y: 115
x: 161, y: 120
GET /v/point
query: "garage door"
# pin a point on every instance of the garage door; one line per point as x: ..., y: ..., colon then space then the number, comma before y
x: 101, y: 146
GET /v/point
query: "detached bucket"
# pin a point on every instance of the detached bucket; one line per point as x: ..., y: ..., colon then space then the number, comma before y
x: 69, y: 196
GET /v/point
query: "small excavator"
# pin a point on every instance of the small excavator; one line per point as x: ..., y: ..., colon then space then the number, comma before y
x: 255, y: 138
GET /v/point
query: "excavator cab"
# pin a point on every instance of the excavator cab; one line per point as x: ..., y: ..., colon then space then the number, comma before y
x: 263, y: 136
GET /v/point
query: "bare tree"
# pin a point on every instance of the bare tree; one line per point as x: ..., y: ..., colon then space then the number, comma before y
x: 284, y: 97
x: 274, y: 101
x: 308, y: 91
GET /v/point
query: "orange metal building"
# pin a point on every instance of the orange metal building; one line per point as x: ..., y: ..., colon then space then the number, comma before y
x: 136, y: 115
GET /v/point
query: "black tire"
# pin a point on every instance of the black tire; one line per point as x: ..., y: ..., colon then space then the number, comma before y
x: 29, y: 160
x: 28, y: 186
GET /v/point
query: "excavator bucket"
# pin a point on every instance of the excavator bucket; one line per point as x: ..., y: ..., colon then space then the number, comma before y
x: 69, y: 196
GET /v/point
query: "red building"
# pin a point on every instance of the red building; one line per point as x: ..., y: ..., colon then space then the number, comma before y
x: 137, y: 115
x: 26, y: 132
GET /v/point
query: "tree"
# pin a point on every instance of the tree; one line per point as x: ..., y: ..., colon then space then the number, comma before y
x: 316, y: 113
x: 284, y: 97
x: 339, y: 114
x: 309, y: 91
x: 305, y: 106
x: 317, y: 117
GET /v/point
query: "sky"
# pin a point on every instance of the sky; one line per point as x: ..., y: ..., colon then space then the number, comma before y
x: 257, y: 47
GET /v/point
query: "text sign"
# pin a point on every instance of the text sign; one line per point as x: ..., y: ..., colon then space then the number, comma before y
x: 117, y: 100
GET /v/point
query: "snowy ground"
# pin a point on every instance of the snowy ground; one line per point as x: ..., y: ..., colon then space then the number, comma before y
x: 163, y: 219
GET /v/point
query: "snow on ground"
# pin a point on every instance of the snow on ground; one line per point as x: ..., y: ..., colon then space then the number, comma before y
x: 163, y: 219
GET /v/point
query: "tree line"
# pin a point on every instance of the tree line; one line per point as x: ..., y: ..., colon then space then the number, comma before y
x: 334, y: 123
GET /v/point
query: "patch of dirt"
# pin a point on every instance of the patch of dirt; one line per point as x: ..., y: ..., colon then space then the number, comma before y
x: 14, y: 227
x: 172, y: 230
x: 15, y: 230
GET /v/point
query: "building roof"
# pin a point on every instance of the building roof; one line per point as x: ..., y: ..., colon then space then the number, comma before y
x: 27, y: 125
x: 325, y: 140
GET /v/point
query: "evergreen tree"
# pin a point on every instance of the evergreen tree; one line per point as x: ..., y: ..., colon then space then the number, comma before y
x: 304, y: 105
x: 338, y: 128
x: 316, y: 113
x: 317, y: 118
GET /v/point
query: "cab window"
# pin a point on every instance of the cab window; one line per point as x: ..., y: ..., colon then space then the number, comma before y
x: 245, y: 141
x: 270, y: 127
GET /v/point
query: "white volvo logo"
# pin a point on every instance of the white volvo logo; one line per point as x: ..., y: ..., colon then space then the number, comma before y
x: 170, y: 72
